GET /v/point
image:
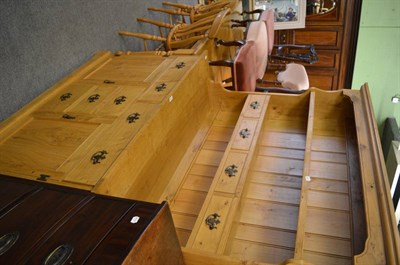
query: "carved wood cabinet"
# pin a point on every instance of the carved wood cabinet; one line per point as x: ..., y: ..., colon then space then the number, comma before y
x: 334, y: 35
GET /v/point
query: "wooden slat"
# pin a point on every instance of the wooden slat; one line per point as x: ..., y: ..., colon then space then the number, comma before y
x: 318, y: 258
x: 275, y: 179
x: 328, y: 200
x: 195, y: 182
x: 279, y: 165
x: 274, y: 194
x: 328, y: 170
x: 188, y: 201
x: 283, y: 139
x: 328, y: 245
x: 328, y: 222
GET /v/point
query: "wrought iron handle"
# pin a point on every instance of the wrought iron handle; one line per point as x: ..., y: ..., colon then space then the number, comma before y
x: 244, y: 133
x: 255, y: 105
x: 68, y: 117
x: 65, y: 96
x: 93, y: 98
x: 212, y: 221
x: 98, y: 156
x: 59, y: 255
x: 43, y: 177
x: 231, y: 170
x: 119, y: 100
x: 161, y: 87
x: 180, y: 65
x: 7, y: 241
x: 133, y: 117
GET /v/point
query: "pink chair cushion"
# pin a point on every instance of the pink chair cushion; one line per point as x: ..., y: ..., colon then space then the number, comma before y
x: 244, y: 68
x: 294, y: 77
x: 268, y: 17
x: 257, y: 33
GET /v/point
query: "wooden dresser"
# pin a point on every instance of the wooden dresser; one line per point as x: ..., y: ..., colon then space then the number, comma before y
x: 47, y: 224
x: 250, y: 178
x: 334, y: 35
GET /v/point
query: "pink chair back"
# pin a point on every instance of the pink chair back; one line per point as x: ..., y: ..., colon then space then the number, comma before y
x: 244, y: 68
x: 268, y: 17
x: 257, y: 33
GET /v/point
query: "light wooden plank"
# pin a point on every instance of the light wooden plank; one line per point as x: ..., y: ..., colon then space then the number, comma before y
x: 283, y: 139
x: 329, y: 157
x: 328, y: 245
x: 292, y: 126
x: 220, y: 133
x: 281, y: 152
x: 203, y: 170
x: 329, y: 185
x: 264, y: 253
x: 215, y: 145
x: 200, y: 183
x: 316, y: 258
x: 183, y: 236
x: 265, y: 235
x: 328, y: 170
x: 273, y: 215
x: 279, y: 165
x: 188, y: 201
x: 275, y: 179
x: 328, y: 200
x: 327, y: 222
x: 208, y: 157
x: 184, y: 221
x: 273, y: 193
x: 329, y: 144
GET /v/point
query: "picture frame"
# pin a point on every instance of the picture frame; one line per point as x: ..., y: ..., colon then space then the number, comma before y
x: 289, y: 14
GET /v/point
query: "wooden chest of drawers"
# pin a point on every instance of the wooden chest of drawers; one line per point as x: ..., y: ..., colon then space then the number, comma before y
x: 45, y: 224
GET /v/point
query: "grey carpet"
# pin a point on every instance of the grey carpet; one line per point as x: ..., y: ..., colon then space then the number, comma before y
x: 42, y: 41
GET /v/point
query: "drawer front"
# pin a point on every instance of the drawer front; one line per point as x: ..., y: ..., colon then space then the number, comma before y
x: 157, y: 92
x: 81, y: 232
x: 327, y: 59
x: 243, y: 137
x: 233, y: 167
x: 325, y: 38
x: 12, y: 192
x: 35, y: 217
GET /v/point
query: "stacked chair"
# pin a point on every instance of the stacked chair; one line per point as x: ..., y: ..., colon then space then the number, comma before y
x: 205, y: 21
x: 249, y: 64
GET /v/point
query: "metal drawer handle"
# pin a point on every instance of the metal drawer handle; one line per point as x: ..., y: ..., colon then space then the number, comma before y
x: 59, y: 255
x: 212, y: 221
x: 180, y: 65
x: 43, y: 177
x: 68, y: 117
x: 244, y: 133
x: 65, y: 96
x: 7, y: 241
x: 98, y: 156
x: 255, y: 105
x: 161, y: 87
x: 133, y: 117
x: 108, y: 82
x: 93, y: 98
x: 231, y: 170
x: 119, y: 100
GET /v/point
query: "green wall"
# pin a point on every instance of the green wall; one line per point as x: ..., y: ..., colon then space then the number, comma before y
x: 378, y: 56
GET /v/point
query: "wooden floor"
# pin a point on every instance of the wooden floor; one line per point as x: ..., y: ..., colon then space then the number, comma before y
x: 267, y: 222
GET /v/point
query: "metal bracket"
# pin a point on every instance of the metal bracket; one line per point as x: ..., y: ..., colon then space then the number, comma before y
x: 98, y: 156
x: 119, y: 100
x: 212, y: 221
x: 65, y: 96
x: 43, y: 177
x: 93, y: 98
x: 161, y: 87
x: 244, y: 133
x: 231, y: 170
x: 133, y: 117
x: 180, y: 65
x: 68, y: 117
x: 255, y: 105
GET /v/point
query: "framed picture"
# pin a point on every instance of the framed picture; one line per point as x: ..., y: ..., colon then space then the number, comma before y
x: 289, y: 14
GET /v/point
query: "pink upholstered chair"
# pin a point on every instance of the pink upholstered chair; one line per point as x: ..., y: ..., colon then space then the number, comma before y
x: 251, y: 60
x: 282, y: 52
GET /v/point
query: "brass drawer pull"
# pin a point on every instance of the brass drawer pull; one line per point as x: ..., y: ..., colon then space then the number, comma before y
x: 161, y: 87
x: 93, y: 98
x: 133, y: 117
x: 98, y: 156
x: 212, y: 221
x: 65, y: 96
x: 43, y: 177
x: 7, y: 241
x: 59, y: 255
x: 244, y: 133
x: 231, y: 170
x: 108, y: 82
x: 180, y: 65
x: 68, y: 117
x: 255, y: 105
x: 119, y: 100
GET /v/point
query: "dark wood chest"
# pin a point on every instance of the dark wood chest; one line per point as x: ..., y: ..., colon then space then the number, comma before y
x: 46, y: 224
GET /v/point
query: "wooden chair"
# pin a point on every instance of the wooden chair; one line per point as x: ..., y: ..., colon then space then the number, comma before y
x: 196, y: 12
x: 182, y: 35
x: 282, y: 52
x: 251, y: 60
